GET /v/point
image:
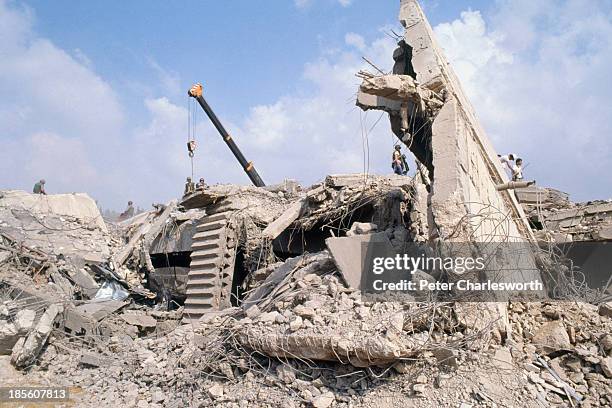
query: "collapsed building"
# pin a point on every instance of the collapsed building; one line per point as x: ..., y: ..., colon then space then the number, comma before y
x: 251, y: 296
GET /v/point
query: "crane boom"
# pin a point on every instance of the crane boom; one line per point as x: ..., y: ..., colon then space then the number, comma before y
x: 196, y: 93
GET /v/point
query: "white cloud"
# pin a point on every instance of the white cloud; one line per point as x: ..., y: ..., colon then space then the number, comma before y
x: 355, y: 40
x: 308, y: 137
x: 54, y: 112
x: 302, y: 4
x: 170, y: 81
x: 539, y: 83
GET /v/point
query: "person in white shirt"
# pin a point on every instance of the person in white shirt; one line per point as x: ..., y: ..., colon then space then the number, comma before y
x: 517, y: 170
x: 507, y: 160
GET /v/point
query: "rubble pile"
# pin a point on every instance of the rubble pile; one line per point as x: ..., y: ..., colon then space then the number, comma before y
x: 239, y: 296
x: 556, y: 218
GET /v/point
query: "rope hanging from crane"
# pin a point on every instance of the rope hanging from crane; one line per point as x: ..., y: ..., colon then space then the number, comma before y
x: 191, y: 132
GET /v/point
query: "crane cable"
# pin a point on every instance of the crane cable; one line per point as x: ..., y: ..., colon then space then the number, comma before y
x: 191, y: 132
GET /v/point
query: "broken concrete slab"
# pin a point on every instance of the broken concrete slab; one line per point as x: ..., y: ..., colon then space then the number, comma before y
x: 84, y: 319
x: 89, y: 286
x: 24, y: 320
x: 140, y: 320
x: 349, y: 255
x: 91, y: 359
x: 551, y: 337
x: 9, y: 334
x: 275, y: 228
x: 27, y: 349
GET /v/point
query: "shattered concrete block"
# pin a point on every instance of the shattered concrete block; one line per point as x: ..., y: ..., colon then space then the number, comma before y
x: 140, y: 320
x: 268, y: 317
x: 324, y: 400
x: 551, y: 337
x: 252, y: 312
x: 348, y: 254
x: 91, y: 359
x: 606, y: 366
x: 361, y: 228
x: 306, y: 312
x: 26, y: 352
x: 89, y: 286
x: 216, y: 391
x: 285, y: 373
x: 447, y: 357
x: 503, y: 359
x: 24, y: 320
x: 9, y: 335
x: 605, y: 309
x: 275, y: 228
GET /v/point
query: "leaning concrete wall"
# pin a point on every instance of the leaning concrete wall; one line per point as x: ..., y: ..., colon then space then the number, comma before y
x: 465, y: 203
x: 430, y: 113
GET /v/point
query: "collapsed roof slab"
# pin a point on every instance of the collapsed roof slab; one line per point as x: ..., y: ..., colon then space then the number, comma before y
x: 464, y: 203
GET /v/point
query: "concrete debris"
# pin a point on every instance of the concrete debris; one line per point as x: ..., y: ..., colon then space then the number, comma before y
x: 349, y: 255
x: 92, y: 360
x: 551, y: 337
x: 239, y: 296
x: 27, y: 348
x: 24, y: 320
x: 142, y: 321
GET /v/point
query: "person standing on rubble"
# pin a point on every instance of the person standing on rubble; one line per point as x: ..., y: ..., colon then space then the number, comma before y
x: 128, y: 213
x: 517, y: 170
x: 398, y: 161
x: 189, y: 186
x: 39, y: 187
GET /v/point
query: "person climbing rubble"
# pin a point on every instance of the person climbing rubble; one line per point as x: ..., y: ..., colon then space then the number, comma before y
x: 517, y: 170
x: 128, y: 213
x: 398, y: 161
x: 507, y: 160
x: 39, y: 187
x: 189, y: 186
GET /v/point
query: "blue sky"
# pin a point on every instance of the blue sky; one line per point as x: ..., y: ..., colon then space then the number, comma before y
x: 94, y: 93
x: 261, y: 46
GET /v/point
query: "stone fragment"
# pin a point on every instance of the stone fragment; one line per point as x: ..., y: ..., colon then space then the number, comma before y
x: 142, y: 321
x: 503, y: 359
x: 27, y: 349
x: 285, y: 373
x: 605, y: 309
x: 606, y: 366
x: 303, y: 311
x: 268, y: 317
x: 216, y: 391
x: 360, y: 228
x: 447, y: 357
x: 91, y: 359
x: 296, y: 323
x: 551, y: 337
x: 531, y: 368
x: 324, y: 400
x: 8, y: 337
x: 606, y: 342
x: 24, y: 320
x: 419, y: 388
